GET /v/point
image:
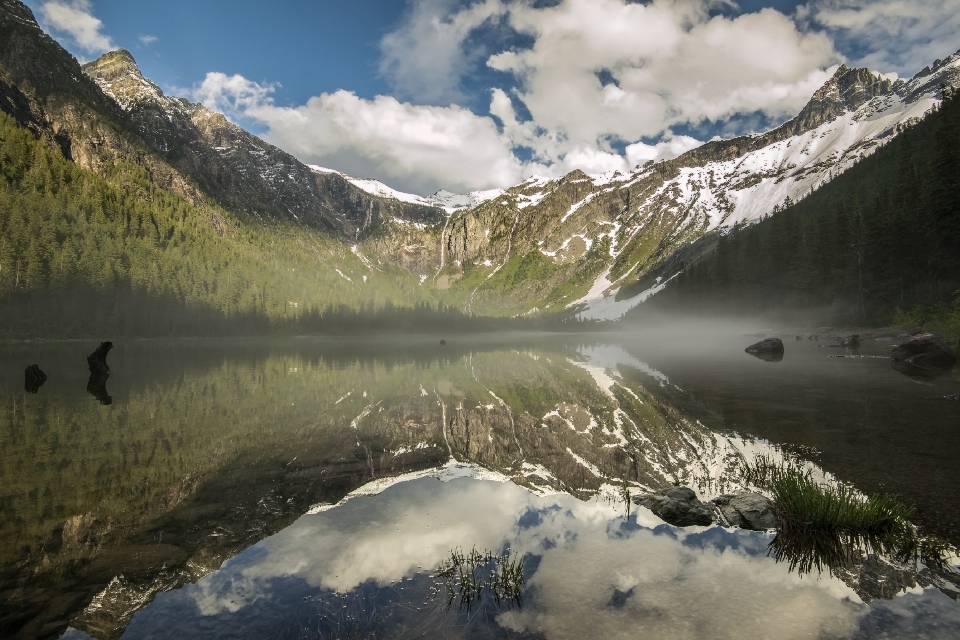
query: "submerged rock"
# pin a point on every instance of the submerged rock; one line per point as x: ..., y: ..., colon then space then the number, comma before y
x: 770, y: 349
x: 678, y: 506
x: 747, y: 510
x: 925, y: 351
x: 852, y: 342
x: 33, y: 379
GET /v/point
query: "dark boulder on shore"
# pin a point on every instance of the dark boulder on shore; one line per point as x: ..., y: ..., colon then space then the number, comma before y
x: 770, y: 350
x: 747, y: 510
x: 925, y: 350
x: 678, y: 506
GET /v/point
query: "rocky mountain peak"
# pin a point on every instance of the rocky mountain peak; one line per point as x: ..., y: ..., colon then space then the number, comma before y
x: 847, y: 90
x: 113, y: 65
x: 119, y: 76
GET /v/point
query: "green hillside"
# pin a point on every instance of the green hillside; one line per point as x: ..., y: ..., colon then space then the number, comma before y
x: 81, y: 254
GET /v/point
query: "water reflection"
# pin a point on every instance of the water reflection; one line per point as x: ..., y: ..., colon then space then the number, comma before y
x: 97, y: 387
x: 33, y: 379
x: 590, y: 571
x: 209, y: 449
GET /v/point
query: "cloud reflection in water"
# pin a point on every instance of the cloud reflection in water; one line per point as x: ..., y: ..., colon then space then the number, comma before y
x: 592, y: 571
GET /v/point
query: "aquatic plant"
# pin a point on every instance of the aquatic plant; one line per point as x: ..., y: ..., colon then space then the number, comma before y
x: 465, y: 577
x: 822, y: 525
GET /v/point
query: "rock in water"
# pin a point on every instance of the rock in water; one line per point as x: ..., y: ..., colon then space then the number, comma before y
x: 925, y: 351
x: 97, y: 360
x: 678, y: 506
x: 852, y: 342
x: 33, y: 379
x: 747, y: 510
x: 443, y: 343
x: 770, y: 350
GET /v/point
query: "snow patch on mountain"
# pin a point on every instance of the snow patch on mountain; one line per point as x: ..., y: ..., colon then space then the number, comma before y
x: 446, y: 200
x: 744, y: 189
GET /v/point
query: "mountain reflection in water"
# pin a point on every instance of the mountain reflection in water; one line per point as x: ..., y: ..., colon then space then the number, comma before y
x: 593, y: 572
x: 211, y: 447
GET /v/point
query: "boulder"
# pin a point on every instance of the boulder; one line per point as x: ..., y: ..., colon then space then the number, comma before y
x: 747, y: 510
x: 678, y: 506
x: 851, y: 342
x: 925, y: 351
x: 770, y: 350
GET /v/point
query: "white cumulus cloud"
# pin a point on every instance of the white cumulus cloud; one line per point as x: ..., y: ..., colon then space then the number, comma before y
x: 413, y: 147
x: 895, y: 35
x: 75, y: 19
x: 597, y: 74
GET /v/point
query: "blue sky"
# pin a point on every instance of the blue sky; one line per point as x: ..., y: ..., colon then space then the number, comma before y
x: 470, y: 94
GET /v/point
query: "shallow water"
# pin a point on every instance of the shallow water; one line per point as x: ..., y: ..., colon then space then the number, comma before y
x: 291, y: 488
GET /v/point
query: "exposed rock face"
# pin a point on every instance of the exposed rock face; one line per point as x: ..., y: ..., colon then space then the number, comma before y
x: 925, y: 351
x: 678, y: 506
x: 747, y: 510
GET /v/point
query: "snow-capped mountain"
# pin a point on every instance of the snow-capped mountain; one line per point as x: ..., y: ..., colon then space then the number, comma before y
x: 595, y: 233
x: 544, y: 244
x: 446, y: 200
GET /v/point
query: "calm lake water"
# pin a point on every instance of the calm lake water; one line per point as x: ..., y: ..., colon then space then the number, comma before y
x: 312, y: 488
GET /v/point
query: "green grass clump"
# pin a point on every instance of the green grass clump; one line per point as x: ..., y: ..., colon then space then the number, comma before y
x: 830, y: 526
x: 804, y: 505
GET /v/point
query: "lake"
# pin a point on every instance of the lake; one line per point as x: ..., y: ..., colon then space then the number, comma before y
x: 322, y: 488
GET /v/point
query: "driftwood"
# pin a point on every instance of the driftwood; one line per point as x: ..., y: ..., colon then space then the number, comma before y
x: 33, y: 379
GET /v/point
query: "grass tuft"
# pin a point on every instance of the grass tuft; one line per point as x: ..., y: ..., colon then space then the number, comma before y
x: 828, y: 526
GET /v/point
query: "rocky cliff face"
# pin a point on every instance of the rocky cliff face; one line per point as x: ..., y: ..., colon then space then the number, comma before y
x: 620, y: 228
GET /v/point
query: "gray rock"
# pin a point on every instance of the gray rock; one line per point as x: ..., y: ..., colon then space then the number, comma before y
x: 770, y: 350
x: 747, y: 510
x: 925, y: 351
x: 678, y: 506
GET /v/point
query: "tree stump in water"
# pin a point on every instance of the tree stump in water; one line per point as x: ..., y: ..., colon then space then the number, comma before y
x: 97, y: 361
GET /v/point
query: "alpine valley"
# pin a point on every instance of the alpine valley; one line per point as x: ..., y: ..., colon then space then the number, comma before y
x: 170, y: 215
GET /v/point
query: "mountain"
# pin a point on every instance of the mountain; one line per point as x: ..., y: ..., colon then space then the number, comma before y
x: 261, y: 235
x: 576, y: 241
x: 879, y: 244
x: 242, y: 172
x: 133, y: 213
